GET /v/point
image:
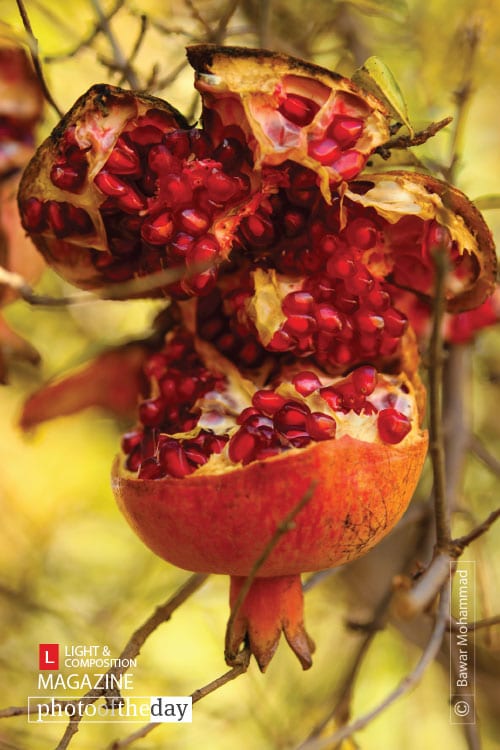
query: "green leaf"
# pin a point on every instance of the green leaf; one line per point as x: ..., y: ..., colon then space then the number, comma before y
x: 376, y: 78
x: 485, y: 202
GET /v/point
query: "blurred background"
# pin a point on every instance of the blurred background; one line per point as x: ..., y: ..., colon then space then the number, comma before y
x: 72, y: 572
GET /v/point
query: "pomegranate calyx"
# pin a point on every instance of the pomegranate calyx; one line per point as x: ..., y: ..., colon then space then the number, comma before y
x: 271, y: 606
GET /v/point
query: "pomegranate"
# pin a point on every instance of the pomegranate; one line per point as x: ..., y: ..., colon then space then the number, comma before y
x: 21, y: 104
x: 292, y: 366
x: 217, y: 462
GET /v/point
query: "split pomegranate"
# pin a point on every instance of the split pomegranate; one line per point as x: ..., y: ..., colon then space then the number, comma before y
x: 291, y: 369
x: 218, y: 460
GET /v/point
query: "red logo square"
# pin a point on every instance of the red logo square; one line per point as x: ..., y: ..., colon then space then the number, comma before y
x: 48, y: 656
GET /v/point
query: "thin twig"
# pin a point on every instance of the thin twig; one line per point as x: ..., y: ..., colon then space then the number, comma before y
x: 436, y: 433
x: 211, y: 687
x: 120, y: 291
x: 34, y: 57
x: 120, y: 60
x: 408, y: 683
x: 406, y: 141
x: 482, y: 453
x: 162, y: 614
x: 462, y: 542
x: 86, y: 41
x: 486, y: 622
x: 283, y: 527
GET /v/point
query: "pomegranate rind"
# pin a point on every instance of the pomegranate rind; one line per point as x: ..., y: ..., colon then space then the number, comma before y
x: 271, y: 606
x: 396, y: 194
x: 257, y: 80
x: 221, y: 523
x: 98, y: 116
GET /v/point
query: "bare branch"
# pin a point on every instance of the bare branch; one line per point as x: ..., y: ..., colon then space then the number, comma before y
x: 34, y: 57
x: 436, y: 433
x: 406, y: 141
x: 482, y: 453
x: 211, y: 687
x: 120, y: 60
x: 487, y: 622
x: 462, y: 542
x: 408, y: 683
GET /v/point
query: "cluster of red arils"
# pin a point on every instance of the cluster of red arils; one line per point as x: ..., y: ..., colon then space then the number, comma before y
x: 291, y: 368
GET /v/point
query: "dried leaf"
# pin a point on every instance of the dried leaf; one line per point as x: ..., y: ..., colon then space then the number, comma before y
x: 376, y: 78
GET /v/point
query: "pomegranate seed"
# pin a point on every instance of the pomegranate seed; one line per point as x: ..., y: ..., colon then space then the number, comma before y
x: 158, y: 230
x: 328, y: 244
x: 250, y: 354
x: 341, y: 266
x: 364, y: 379
x: 174, y: 460
x: 346, y: 131
x: 151, y: 412
x: 392, y: 426
x: 297, y: 303
x: 151, y: 469
x: 215, y: 443
x: 243, y: 416
x: 388, y: 345
x: 195, y: 456
x: 344, y: 302
x: 321, y: 426
x: 176, y: 190
x: 303, y: 186
x: 123, y: 159
x: 332, y: 398
x: 200, y: 142
x: 160, y: 160
x: 395, y: 322
x: 79, y: 220
x: 368, y: 322
x: 146, y: 135
x: 193, y: 221
x: 57, y: 218
x: 67, y: 177
x: 180, y: 245
x: 342, y: 354
x: 298, y: 109
x: 437, y: 237
x: 242, y: 446
x: 291, y: 417
x: 306, y: 382
x: 326, y: 150
x: 109, y: 184
x: 33, y: 215
x: 130, y: 440
x: 361, y: 282
x: 280, y: 342
x: 361, y: 233
x: 257, y: 230
x: 268, y: 402
x: 294, y: 222
x: 299, y: 325
x: 230, y: 154
x: 201, y: 283
x: 204, y: 250
x: 178, y: 143
x: 349, y: 164
x: 221, y: 187
x: 378, y: 300
x: 133, y: 461
x: 327, y: 318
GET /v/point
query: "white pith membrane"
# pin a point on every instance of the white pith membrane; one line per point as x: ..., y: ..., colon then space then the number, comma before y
x: 219, y: 409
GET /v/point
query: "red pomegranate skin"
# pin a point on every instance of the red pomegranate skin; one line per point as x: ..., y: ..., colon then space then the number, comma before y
x: 220, y: 523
